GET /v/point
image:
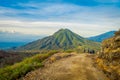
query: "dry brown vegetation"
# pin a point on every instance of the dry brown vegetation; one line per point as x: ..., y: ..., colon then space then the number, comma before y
x: 109, y: 58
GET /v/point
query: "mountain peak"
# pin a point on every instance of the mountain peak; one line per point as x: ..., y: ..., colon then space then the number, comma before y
x: 64, y: 34
x: 62, y: 39
x: 62, y: 31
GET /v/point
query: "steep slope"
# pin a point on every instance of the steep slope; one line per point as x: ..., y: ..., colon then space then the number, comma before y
x: 109, y: 58
x: 102, y: 37
x: 62, y: 39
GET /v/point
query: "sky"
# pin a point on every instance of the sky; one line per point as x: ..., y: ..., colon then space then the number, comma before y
x: 44, y: 17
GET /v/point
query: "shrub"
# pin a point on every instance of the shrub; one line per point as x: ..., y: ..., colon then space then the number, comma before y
x: 20, y: 69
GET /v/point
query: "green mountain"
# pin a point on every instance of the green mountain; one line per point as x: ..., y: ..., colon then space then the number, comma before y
x: 63, y: 39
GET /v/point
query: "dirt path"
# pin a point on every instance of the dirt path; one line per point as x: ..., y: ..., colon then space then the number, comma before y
x: 77, y: 67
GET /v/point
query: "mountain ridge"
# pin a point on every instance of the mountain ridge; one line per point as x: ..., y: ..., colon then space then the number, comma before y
x: 103, y: 36
x: 62, y: 39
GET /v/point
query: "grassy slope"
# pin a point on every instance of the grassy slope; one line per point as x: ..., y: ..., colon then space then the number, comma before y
x: 10, y: 58
x: 20, y: 69
x: 63, y: 39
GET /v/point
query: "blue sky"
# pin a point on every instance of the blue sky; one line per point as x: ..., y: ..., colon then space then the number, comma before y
x: 44, y: 17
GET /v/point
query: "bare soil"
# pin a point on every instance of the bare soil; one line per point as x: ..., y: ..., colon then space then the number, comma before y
x: 75, y: 67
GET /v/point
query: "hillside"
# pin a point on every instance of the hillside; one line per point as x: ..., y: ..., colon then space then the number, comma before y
x: 101, y: 37
x: 10, y: 58
x: 63, y: 39
x: 28, y: 64
x: 109, y: 58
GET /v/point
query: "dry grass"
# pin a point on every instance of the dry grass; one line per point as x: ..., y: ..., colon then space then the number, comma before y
x: 76, y: 67
x: 109, y: 59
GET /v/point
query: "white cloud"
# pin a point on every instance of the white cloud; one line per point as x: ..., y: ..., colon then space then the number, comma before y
x: 62, y: 12
x: 48, y: 28
x: 46, y: 18
x: 40, y: 11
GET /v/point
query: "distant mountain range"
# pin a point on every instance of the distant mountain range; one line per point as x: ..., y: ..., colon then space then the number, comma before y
x: 101, y: 37
x: 63, y: 39
x: 15, y: 39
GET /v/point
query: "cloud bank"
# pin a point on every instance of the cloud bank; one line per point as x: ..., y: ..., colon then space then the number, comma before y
x: 47, y: 17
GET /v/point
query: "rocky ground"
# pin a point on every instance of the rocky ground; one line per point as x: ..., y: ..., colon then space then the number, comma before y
x: 71, y: 67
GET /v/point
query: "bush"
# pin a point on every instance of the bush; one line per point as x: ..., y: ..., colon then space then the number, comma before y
x: 20, y: 69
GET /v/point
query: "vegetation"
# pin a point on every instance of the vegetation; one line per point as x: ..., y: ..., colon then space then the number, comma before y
x: 109, y: 58
x: 63, y: 39
x: 10, y: 58
x: 20, y: 69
